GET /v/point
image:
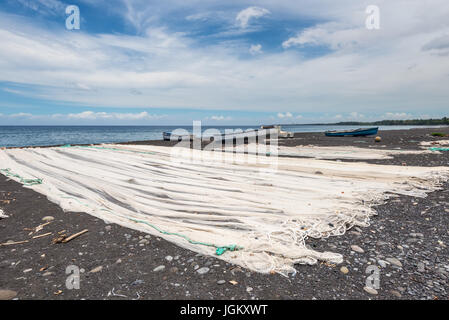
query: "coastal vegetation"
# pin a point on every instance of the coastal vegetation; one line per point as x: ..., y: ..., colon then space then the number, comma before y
x: 438, y: 134
x: 413, y: 122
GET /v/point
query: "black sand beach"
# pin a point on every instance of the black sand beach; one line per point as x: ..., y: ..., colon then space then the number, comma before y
x: 408, y: 241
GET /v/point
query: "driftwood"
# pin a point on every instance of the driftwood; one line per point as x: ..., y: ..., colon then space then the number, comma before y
x: 73, y: 236
x: 12, y: 243
x: 38, y: 228
x: 42, y: 235
x: 64, y: 239
x: 41, y: 226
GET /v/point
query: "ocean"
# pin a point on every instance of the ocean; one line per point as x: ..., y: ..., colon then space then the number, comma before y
x: 22, y: 136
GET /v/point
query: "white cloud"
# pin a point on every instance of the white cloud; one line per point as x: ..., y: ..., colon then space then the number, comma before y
x: 219, y: 118
x: 356, y: 115
x: 203, y: 16
x: 309, y: 36
x: 137, y: 15
x: 243, y: 17
x: 401, y: 67
x: 255, y: 49
x: 397, y: 116
x: 14, y: 91
x: 208, y: 15
x: 89, y: 115
x: 335, y: 35
x: 21, y: 115
x: 46, y: 7
x: 284, y: 115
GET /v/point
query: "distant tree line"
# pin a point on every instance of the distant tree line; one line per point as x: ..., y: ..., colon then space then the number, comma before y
x: 415, y: 122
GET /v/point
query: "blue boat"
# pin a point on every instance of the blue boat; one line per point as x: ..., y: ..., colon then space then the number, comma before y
x: 353, y: 133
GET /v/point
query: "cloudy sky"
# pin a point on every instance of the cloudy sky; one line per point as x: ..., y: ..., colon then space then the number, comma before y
x: 222, y: 62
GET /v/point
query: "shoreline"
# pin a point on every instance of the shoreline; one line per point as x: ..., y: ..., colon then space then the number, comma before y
x: 315, y: 136
x: 122, y: 262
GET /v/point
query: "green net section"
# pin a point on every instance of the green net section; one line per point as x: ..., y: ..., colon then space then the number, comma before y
x: 26, y: 182
x: 439, y: 149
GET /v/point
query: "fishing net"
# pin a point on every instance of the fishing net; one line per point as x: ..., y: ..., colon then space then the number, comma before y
x: 334, y: 152
x: 254, y: 211
x: 434, y: 143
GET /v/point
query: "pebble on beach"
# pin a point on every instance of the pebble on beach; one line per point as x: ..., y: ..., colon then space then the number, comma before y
x: 370, y: 290
x: 160, y: 268
x: 344, y: 270
x: 395, y: 262
x: 97, y: 269
x: 357, y: 249
x: 203, y: 270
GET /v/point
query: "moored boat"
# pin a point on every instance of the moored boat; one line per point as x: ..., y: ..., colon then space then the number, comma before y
x: 280, y: 133
x: 238, y: 136
x: 250, y: 135
x: 353, y: 133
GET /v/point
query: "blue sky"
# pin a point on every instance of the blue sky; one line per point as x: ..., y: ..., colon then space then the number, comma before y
x: 222, y: 62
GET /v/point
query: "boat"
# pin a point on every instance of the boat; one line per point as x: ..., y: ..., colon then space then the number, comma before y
x: 240, y: 136
x: 280, y: 133
x: 237, y: 136
x: 353, y: 133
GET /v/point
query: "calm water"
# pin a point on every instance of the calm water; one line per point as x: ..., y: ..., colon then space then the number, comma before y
x: 20, y: 136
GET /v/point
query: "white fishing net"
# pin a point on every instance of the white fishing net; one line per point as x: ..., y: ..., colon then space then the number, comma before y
x: 435, y: 143
x: 267, y: 207
x: 333, y: 152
